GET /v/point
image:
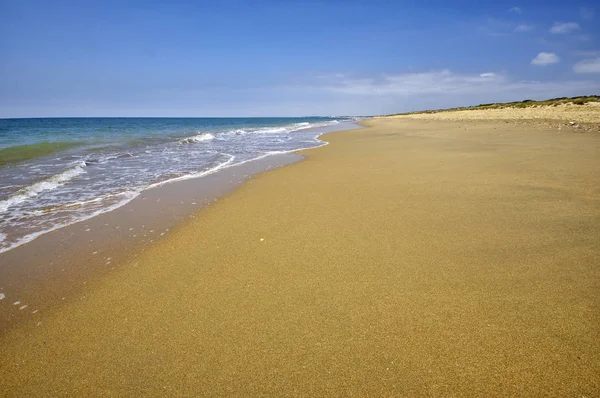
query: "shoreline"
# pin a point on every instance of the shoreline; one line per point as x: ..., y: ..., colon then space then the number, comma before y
x: 78, y: 253
x: 57, y: 265
x: 405, y: 259
x: 131, y: 195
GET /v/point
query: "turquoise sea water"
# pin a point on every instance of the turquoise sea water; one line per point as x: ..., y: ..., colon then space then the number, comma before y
x: 57, y: 171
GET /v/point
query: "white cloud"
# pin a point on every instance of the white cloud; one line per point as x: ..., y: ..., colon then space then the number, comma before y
x: 443, y: 81
x: 524, y: 28
x: 433, y: 82
x: 435, y: 89
x: 516, y: 10
x: 543, y: 59
x: 587, y: 13
x: 563, y: 28
x: 587, y: 66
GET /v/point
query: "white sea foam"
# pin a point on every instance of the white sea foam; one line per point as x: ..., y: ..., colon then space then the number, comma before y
x: 302, y: 126
x: 198, y: 138
x: 195, y: 175
x: 74, y: 206
x: 275, y: 130
x: 267, y: 130
x: 271, y: 130
x: 46, y: 185
x: 127, y: 197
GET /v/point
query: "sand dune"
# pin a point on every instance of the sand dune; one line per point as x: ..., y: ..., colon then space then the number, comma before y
x: 580, y: 114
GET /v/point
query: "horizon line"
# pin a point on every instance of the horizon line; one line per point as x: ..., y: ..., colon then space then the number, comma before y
x: 175, y: 117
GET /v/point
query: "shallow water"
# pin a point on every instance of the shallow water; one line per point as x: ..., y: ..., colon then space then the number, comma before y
x: 54, y: 172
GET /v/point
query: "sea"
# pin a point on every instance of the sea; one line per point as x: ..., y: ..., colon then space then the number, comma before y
x: 58, y: 171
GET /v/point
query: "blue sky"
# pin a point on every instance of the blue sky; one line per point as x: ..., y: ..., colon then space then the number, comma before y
x: 289, y: 58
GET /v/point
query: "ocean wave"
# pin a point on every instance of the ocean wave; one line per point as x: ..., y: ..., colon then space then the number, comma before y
x: 127, y: 197
x: 45, y: 185
x: 203, y: 137
x: 195, y: 175
x: 79, y: 204
x: 302, y: 126
x: 264, y: 130
x: 103, y: 159
x: 275, y: 130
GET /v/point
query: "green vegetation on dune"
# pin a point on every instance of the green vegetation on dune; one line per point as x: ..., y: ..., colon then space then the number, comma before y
x: 19, y: 153
x: 528, y: 103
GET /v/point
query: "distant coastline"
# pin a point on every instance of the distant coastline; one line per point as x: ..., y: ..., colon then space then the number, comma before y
x: 578, y: 114
x: 528, y: 103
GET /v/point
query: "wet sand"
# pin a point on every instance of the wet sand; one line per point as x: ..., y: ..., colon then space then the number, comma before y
x: 409, y: 258
x: 57, y: 266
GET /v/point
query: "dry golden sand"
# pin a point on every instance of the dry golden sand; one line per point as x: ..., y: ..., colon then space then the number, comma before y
x: 410, y: 258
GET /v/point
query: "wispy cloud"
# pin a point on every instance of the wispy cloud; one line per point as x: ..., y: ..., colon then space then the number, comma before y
x: 432, y: 82
x: 543, y: 59
x: 564, y: 28
x: 409, y: 91
x: 523, y: 28
x: 587, y: 13
x: 443, y: 81
x: 437, y: 89
x: 516, y: 10
x: 587, y: 66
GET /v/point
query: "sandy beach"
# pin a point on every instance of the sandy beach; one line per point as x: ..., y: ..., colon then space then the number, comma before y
x: 413, y: 257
